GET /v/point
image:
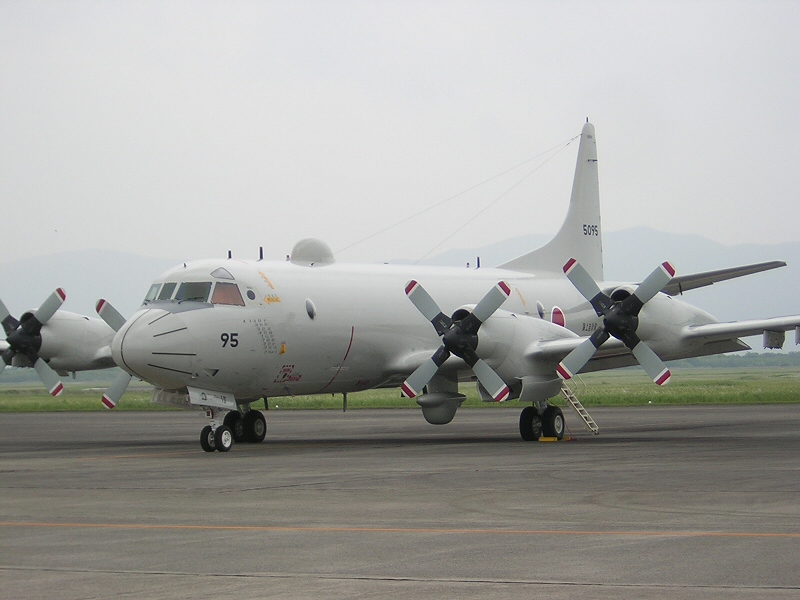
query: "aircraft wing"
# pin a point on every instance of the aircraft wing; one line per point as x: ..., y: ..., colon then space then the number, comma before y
x: 684, y: 283
x: 694, y: 340
x: 724, y: 331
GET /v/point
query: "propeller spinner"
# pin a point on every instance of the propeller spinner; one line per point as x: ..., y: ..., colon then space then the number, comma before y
x: 620, y: 320
x: 24, y: 337
x: 459, y: 337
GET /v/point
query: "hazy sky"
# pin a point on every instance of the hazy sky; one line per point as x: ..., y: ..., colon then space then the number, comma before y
x: 184, y: 129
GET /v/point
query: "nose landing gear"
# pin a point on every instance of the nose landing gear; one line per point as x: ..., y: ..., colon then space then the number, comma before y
x: 248, y: 428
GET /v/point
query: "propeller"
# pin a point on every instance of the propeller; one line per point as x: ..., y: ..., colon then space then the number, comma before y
x: 459, y: 337
x: 115, y: 320
x: 620, y: 320
x: 24, y: 337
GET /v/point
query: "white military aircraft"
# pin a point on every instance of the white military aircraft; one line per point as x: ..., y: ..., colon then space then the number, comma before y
x: 55, y: 342
x: 221, y: 334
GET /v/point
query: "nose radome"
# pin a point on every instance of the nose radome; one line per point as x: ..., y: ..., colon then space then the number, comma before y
x: 155, y: 345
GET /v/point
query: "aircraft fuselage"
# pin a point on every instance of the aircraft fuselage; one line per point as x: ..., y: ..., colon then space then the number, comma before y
x: 295, y: 329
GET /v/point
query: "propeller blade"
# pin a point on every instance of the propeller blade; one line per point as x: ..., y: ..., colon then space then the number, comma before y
x: 491, y: 381
x: 115, y: 391
x: 652, y: 284
x: 428, y: 307
x: 486, y: 307
x: 9, y: 323
x: 582, y: 354
x: 49, y: 377
x: 581, y: 279
x: 110, y: 315
x: 424, y: 373
x: 651, y: 363
x: 50, y: 306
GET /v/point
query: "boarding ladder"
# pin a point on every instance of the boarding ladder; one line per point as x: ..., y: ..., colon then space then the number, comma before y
x: 576, y: 405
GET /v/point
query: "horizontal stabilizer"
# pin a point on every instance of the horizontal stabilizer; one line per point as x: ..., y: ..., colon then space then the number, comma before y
x: 684, y: 283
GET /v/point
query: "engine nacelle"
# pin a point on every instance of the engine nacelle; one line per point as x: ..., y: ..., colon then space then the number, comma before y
x: 439, y: 408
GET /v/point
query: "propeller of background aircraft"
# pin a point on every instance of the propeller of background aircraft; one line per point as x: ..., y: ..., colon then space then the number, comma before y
x: 620, y: 320
x: 24, y: 337
x: 115, y: 320
x: 459, y: 336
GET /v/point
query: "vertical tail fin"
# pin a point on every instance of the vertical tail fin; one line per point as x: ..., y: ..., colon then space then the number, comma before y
x: 580, y: 236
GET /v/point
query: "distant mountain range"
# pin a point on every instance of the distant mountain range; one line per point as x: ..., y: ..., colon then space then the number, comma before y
x: 629, y: 255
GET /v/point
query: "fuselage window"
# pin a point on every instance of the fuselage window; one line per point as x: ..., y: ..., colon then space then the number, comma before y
x: 194, y: 291
x: 227, y: 293
x: 152, y: 293
x: 166, y: 291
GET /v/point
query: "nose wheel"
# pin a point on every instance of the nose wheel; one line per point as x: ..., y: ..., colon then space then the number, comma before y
x: 250, y: 427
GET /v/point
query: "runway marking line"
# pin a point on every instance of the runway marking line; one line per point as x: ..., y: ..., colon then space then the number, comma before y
x: 405, y: 530
x: 143, y: 455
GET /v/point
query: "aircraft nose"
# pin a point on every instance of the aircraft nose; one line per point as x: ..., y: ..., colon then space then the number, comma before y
x: 155, y: 345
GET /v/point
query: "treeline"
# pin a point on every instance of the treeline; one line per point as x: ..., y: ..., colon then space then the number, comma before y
x: 746, y: 360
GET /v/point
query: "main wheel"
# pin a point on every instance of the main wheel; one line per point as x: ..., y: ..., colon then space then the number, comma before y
x: 553, y: 422
x: 235, y: 421
x: 207, y: 442
x: 530, y: 424
x: 223, y: 438
x: 255, y: 426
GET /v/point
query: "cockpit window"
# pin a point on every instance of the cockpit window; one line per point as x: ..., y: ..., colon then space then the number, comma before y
x: 222, y: 273
x: 166, y: 291
x: 194, y: 291
x: 227, y: 293
x: 152, y: 293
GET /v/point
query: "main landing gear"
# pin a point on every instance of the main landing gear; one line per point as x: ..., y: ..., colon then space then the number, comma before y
x: 250, y: 427
x: 545, y: 421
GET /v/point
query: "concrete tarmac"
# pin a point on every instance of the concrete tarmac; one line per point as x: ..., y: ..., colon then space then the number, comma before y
x: 664, y: 503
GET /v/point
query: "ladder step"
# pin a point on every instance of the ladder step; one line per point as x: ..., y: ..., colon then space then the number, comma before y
x: 576, y: 405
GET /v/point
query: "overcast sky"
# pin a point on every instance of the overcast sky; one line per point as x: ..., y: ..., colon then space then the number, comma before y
x: 184, y: 129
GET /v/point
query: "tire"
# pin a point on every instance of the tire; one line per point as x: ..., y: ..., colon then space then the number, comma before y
x: 207, y: 441
x: 530, y: 425
x: 553, y: 422
x: 223, y: 438
x: 235, y: 422
x: 255, y: 426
